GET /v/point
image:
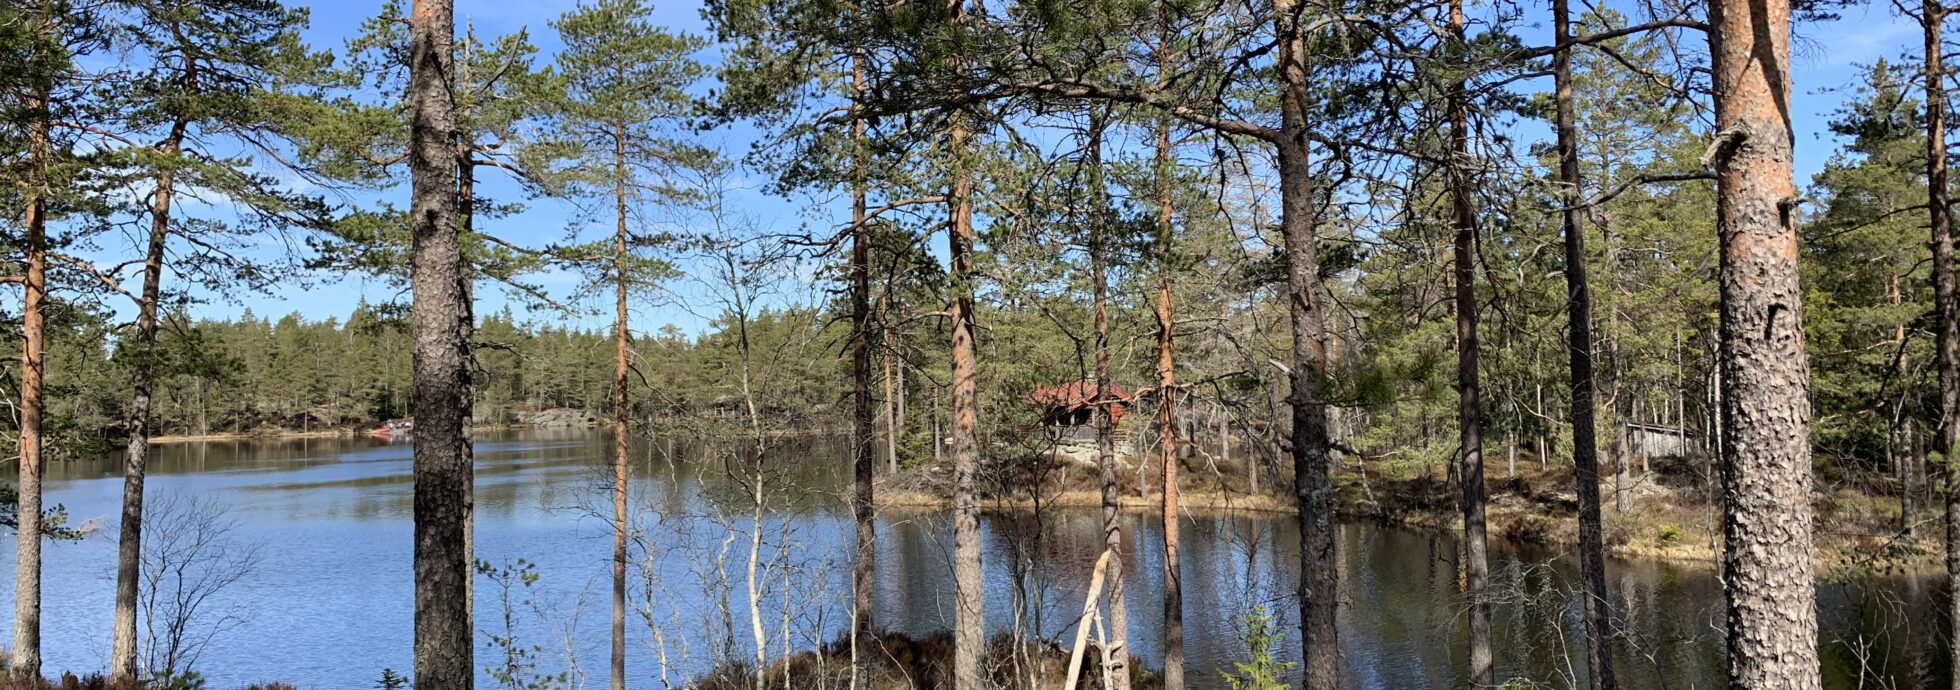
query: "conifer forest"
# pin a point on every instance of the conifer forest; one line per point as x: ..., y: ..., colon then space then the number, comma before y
x: 889, y: 344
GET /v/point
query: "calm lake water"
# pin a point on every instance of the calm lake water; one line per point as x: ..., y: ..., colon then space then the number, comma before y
x: 329, y: 605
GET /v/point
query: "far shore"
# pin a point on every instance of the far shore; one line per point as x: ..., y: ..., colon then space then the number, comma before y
x: 1661, y: 531
x: 275, y: 434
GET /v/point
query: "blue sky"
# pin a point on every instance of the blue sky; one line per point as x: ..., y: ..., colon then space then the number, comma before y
x: 1828, y: 60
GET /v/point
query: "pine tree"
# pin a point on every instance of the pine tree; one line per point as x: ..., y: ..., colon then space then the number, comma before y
x: 442, y: 327
x: 1767, y: 562
x: 625, y: 83
x: 209, y: 68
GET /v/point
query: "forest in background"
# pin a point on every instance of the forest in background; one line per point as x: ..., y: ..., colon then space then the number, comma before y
x: 1334, y: 232
x: 1867, y: 299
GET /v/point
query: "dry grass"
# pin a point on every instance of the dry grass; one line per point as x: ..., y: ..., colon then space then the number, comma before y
x: 908, y: 663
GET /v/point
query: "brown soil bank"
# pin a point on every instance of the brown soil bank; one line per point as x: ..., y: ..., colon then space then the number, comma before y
x: 925, y: 663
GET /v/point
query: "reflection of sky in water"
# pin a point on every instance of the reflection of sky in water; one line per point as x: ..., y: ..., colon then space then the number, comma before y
x: 330, y: 606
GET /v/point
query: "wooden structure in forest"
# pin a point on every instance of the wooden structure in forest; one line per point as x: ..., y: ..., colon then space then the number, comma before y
x: 1069, y: 409
x: 1656, y: 441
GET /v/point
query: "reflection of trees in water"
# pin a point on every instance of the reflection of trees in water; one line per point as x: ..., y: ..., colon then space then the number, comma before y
x: 1401, y: 615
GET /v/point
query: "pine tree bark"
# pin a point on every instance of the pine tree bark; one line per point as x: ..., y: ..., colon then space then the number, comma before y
x: 1946, y: 298
x: 440, y: 316
x: 1167, y: 411
x: 864, y: 437
x: 1579, y: 357
x: 1299, y: 217
x: 129, y: 546
x: 969, y: 615
x: 1173, y: 674
x: 1116, y: 666
x: 1766, y: 517
x: 1470, y: 422
x: 26, y: 660
x: 622, y: 413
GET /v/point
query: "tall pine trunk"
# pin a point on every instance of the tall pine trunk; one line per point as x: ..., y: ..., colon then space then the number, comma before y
x: 1119, y: 619
x: 440, y: 315
x: 1299, y: 217
x: 26, y: 662
x: 969, y: 616
x: 1579, y: 358
x: 1946, y: 299
x: 1167, y: 411
x: 129, y: 547
x: 863, y: 436
x: 1470, y: 422
x: 622, y: 413
x: 1766, y: 517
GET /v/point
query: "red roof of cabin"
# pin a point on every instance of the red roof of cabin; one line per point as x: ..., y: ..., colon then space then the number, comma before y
x: 1078, y: 394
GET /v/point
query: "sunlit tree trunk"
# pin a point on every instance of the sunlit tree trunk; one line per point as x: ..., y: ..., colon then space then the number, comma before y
x: 1167, y: 385
x: 969, y: 620
x: 1766, y: 517
x: 26, y: 661
x: 622, y: 413
x: 440, y: 315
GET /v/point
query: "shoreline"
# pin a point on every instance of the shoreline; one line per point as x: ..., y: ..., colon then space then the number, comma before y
x: 282, y: 434
x: 1834, y: 554
x: 1666, y: 535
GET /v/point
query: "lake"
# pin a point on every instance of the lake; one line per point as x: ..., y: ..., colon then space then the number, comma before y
x: 328, y: 604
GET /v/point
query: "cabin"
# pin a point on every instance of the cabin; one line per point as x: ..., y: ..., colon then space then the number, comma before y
x: 1068, y: 410
x: 1656, y: 441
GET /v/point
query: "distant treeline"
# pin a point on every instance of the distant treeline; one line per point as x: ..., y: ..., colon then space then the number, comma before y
x: 256, y: 373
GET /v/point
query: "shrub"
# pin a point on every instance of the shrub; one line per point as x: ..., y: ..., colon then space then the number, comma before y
x: 1261, y: 671
x: 390, y: 680
x: 1668, y: 534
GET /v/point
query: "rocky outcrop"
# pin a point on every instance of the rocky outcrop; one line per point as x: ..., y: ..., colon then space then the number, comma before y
x: 559, y: 418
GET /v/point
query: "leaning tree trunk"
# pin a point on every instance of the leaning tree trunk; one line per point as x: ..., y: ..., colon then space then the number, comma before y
x: 1766, y: 520
x: 136, y: 455
x: 1299, y: 196
x: 1579, y: 357
x: 440, y: 312
x: 863, y: 436
x: 26, y: 661
x: 1470, y: 423
x: 1114, y: 667
x: 1946, y: 299
x: 622, y: 419
x: 969, y: 619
